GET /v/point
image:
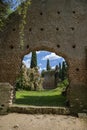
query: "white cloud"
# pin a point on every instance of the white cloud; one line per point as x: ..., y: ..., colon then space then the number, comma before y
x: 63, y: 59
x: 40, y: 64
x: 51, y: 56
x: 53, y: 67
x: 40, y: 69
x: 28, y: 56
x: 38, y: 52
x: 27, y: 63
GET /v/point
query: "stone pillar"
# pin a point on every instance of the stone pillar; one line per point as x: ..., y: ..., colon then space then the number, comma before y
x: 77, y: 91
x: 78, y: 98
x: 6, y: 97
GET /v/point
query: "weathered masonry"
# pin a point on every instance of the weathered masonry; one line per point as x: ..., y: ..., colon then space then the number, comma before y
x: 59, y: 26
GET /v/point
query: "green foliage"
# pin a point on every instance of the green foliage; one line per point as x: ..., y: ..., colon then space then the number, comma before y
x: 63, y: 85
x: 33, y: 60
x: 63, y: 71
x: 29, y: 79
x: 22, y: 80
x: 4, y: 12
x: 56, y: 75
x: 22, y: 10
x: 42, y: 73
x: 60, y: 71
x: 48, y: 67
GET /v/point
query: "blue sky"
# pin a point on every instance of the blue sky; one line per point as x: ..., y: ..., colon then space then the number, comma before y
x: 42, y: 57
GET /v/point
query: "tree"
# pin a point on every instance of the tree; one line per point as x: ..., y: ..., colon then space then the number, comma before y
x: 63, y: 70
x: 29, y: 79
x: 42, y: 73
x: 60, y: 71
x: 35, y: 79
x: 22, y: 80
x: 33, y: 60
x: 56, y: 75
x: 48, y: 67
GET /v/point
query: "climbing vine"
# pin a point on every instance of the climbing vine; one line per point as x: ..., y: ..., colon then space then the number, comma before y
x: 4, y: 12
x: 22, y: 10
x: 7, y: 8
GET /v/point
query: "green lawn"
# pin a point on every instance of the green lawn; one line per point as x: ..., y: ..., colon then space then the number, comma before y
x: 41, y: 98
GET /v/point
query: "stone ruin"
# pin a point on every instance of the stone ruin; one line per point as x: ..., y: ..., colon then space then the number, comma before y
x: 6, y: 97
x: 49, y: 80
x: 58, y: 26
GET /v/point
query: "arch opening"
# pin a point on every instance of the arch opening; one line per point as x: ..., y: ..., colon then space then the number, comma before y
x: 44, y: 84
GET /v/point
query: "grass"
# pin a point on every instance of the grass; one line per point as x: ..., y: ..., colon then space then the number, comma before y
x: 41, y: 98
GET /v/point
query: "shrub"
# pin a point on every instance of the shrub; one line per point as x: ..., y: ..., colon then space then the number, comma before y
x: 29, y: 79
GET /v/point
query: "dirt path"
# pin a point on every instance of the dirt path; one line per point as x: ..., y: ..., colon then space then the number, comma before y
x: 41, y: 122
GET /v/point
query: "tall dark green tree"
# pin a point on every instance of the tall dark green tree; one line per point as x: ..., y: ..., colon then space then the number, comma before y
x: 33, y: 60
x: 48, y: 67
x: 56, y: 75
x: 63, y: 70
x: 60, y: 71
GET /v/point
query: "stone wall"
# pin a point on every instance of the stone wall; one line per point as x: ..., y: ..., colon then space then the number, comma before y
x: 6, y: 97
x: 49, y: 80
x: 59, y: 26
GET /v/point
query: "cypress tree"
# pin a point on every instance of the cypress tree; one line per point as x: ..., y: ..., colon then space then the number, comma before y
x: 33, y: 60
x: 56, y: 75
x: 60, y: 71
x: 63, y: 70
x: 48, y: 67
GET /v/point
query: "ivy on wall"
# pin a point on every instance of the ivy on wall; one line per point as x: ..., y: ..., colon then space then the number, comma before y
x: 22, y: 10
x: 4, y: 12
x: 7, y: 8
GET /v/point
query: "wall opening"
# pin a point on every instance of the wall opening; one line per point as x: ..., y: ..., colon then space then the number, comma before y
x: 43, y: 83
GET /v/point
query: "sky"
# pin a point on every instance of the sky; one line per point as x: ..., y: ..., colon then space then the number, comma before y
x: 42, y: 57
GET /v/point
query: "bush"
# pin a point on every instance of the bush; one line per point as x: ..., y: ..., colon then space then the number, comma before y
x: 64, y: 84
x: 29, y: 79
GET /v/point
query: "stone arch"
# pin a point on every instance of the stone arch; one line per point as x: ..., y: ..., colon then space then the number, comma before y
x: 43, y: 46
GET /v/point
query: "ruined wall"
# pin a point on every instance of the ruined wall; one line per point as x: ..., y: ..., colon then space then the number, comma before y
x: 6, y: 97
x: 49, y: 80
x: 59, y: 26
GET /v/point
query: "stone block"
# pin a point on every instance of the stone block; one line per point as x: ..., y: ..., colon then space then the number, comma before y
x: 6, y: 96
